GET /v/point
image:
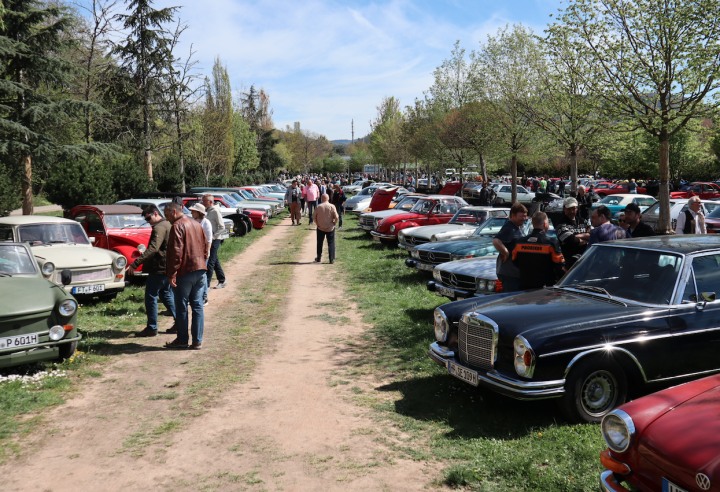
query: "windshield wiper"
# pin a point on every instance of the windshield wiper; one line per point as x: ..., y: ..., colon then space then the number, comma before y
x: 591, y: 288
x: 56, y: 242
x: 3, y: 274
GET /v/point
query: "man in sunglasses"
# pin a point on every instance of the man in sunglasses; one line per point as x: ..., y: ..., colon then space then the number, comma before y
x: 154, y: 262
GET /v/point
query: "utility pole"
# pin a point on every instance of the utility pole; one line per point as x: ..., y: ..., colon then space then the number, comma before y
x: 352, y: 129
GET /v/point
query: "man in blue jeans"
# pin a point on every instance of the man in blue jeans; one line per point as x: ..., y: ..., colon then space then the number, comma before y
x: 187, y: 250
x: 153, y: 260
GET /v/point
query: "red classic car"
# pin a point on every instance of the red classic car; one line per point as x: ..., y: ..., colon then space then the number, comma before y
x: 617, y: 189
x: 119, y: 228
x: 258, y: 218
x: 668, y: 441
x: 706, y: 191
x: 427, y: 211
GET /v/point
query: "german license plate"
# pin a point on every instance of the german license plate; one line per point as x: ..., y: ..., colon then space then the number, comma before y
x: 668, y: 486
x: 465, y: 374
x: 444, y: 291
x: 424, y: 266
x: 19, y: 341
x: 88, y: 289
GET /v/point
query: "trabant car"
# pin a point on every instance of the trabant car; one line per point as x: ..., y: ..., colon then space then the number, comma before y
x: 629, y: 315
x: 464, y: 224
x: 38, y: 321
x: 666, y: 441
x: 61, y: 244
x: 427, y: 211
x: 119, y: 228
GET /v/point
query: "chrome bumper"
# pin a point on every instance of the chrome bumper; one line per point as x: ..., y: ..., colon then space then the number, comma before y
x: 609, y: 484
x: 365, y: 227
x: 385, y: 237
x: 514, y: 388
x: 436, y: 287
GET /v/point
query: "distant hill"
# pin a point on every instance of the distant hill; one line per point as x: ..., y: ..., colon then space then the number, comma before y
x: 341, y: 142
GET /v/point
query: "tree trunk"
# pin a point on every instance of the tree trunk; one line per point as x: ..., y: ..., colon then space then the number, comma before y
x: 148, y: 164
x: 573, y: 171
x: 664, y: 226
x: 27, y: 194
x: 513, y: 174
x: 483, y: 167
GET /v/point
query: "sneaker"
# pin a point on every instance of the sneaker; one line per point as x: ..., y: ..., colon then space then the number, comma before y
x: 172, y: 330
x: 221, y: 285
x: 205, y: 302
x: 147, y: 332
x: 175, y: 344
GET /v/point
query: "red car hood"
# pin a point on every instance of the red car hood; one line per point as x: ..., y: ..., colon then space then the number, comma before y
x: 381, y: 199
x: 686, y: 440
x: 385, y: 224
x: 132, y: 238
x: 680, y: 194
x: 450, y: 188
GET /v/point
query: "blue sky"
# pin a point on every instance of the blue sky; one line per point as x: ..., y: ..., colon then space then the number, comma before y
x: 324, y: 62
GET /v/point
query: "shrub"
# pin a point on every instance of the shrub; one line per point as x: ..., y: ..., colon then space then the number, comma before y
x: 80, y: 182
x: 10, y: 197
x: 129, y: 179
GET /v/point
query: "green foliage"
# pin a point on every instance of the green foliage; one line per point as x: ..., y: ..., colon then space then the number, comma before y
x: 9, y: 190
x: 80, y: 182
x: 129, y: 179
x: 167, y: 175
x: 194, y: 175
x: 245, y: 145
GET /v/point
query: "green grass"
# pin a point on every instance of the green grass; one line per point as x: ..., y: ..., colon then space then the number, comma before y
x: 486, y: 441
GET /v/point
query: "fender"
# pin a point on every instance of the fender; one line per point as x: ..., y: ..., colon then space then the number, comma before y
x: 404, y: 225
x: 130, y: 254
x: 608, y: 350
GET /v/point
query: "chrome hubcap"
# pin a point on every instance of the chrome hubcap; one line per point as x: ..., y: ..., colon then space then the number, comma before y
x: 599, y: 393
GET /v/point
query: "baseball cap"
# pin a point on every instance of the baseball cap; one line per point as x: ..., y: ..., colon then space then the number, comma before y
x: 632, y: 207
x: 198, y: 207
x: 570, y: 202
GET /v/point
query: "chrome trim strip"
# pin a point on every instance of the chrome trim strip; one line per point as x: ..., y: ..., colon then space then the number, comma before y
x: 609, y: 484
x: 382, y: 236
x: 684, y: 376
x: 442, y: 352
x: 526, y: 384
x: 608, y: 348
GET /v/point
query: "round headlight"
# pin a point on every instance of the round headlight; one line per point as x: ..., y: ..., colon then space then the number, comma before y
x: 617, y: 430
x: 441, y: 325
x: 67, y: 307
x: 120, y: 262
x: 481, y: 284
x: 392, y: 228
x: 48, y: 268
x: 437, y: 275
x: 433, y: 238
x: 57, y: 332
x: 491, y: 286
x: 141, y: 248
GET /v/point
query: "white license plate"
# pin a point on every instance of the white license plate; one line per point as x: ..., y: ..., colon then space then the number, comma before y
x: 424, y: 267
x: 366, y: 227
x: 88, y: 289
x: 668, y: 486
x: 20, y: 341
x: 444, y: 291
x: 462, y: 373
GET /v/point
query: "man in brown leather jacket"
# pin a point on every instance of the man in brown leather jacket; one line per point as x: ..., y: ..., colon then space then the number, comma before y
x: 186, y: 272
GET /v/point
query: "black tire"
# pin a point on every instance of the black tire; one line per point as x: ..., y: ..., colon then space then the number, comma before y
x: 593, y: 389
x: 67, y: 350
x: 239, y: 228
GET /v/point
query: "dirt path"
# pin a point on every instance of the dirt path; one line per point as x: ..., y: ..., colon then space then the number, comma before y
x: 288, y: 427
x: 39, y: 210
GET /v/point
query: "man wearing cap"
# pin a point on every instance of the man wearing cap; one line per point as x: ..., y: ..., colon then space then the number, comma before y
x: 692, y: 221
x: 198, y: 213
x: 572, y: 233
x: 636, y: 227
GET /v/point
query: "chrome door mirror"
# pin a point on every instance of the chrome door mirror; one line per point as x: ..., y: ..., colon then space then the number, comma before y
x: 92, y: 240
x: 705, y: 297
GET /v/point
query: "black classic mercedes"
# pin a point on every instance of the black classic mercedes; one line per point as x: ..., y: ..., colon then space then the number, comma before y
x: 630, y: 313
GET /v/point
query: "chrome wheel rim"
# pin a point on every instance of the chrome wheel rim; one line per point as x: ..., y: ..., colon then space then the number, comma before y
x: 599, y: 393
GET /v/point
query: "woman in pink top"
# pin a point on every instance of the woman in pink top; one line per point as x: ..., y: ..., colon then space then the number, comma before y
x: 312, y: 193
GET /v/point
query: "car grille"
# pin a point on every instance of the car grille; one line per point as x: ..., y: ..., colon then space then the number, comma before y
x: 368, y: 221
x: 456, y: 280
x: 476, y: 343
x: 434, y: 257
x: 414, y: 241
x: 88, y: 275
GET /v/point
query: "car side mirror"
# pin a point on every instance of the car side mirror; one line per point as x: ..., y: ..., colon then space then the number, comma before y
x: 705, y: 297
x: 66, y: 277
x: 92, y: 240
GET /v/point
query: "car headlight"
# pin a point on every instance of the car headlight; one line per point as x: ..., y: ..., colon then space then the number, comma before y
x: 456, y: 257
x: 524, y: 357
x: 141, y: 248
x: 57, y: 332
x: 401, y: 235
x: 480, y: 285
x: 433, y: 238
x: 436, y: 275
x: 490, y: 286
x: 442, y: 327
x: 415, y: 254
x: 392, y: 228
x: 377, y: 221
x: 120, y: 262
x: 67, y: 307
x: 48, y: 268
x: 618, y: 430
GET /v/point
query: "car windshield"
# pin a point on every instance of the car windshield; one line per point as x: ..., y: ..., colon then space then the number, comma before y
x: 467, y: 216
x: 122, y: 221
x: 711, y: 207
x: 37, y: 234
x: 645, y: 202
x: 611, y: 200
x: 407, y: 202
x: 15, y: 260
x: 423, y: 207
x: 635, y: 274
x: 491, y: 226
x: 230, y: 201
x: 237, y: 197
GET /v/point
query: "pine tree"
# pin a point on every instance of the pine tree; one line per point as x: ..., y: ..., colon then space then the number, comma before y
x: 146, y: 53
x: 31, y: 37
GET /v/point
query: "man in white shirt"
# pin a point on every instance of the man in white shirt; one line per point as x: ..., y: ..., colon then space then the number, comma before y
x: 692, y: 221
x: 198, y: 213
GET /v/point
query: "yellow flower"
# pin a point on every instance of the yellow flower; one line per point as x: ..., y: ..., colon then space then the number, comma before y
x: 540, y: 434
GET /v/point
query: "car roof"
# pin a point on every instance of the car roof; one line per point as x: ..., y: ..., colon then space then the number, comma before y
x: 154, y: 201
x: 482, y: 208
x: 632, y: 195
x: 681, y: 243
x: 114, y: 209
x: 32, y: 219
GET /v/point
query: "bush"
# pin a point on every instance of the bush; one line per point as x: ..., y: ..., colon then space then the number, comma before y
x: 217, y: 181
x: 167, y: 175
x: 80, y: 182
x: 194, y: 176
x: 129, y: 179
x: 10, y: 195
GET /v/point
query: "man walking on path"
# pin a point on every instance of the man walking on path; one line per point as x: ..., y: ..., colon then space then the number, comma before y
x: 604, y: 230
x: 326, y: 217
x: 693, y: 220
x: 293, y: 196
x: 311, y: 194
x: 538, y: 257
x: 154, y: 261
x: 338, y: 199
x: 198, y: 213
x: 505, y: 242
x: 186, y: 273
x: 214, y: 216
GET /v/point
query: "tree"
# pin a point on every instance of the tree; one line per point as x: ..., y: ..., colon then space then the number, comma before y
x: 146, y: 54
x: 657, y: 63
x: 30, y: 69
x: 245, y: 146
x: 387, y: 144
x: 456, y: 81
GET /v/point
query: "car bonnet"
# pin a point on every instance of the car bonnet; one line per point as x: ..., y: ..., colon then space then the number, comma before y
x: 74, y: 256
x: 454, y: 247
x: 26, y: 296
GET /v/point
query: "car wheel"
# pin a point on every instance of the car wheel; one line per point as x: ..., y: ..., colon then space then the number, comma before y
x: 239, y: 228
x: 67, y: 350
x: 593, y: 389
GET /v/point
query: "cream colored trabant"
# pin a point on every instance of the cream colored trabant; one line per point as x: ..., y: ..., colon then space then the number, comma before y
x: 61, y: 247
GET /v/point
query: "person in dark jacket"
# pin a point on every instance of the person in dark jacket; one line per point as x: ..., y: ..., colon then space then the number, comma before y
x: 585, y: 202
x: 153, y: 260
x: 504, y: 242
x: 485, y: 195
x: 338, y: 199
x: 604, y: 230
x: 572, y: 233
x: 636, y: 227
x: 538, y: 257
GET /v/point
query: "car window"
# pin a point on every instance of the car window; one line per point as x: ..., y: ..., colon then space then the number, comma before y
x: 6, y: 233
x: 94, y: 224
x: 15, y: 260
x: 423, y: 207
x: 707, y: 273
x: 611, y: 200
x: 520, y: 189
x: 654, y: 209
x: 63, y: 232
x: 689, y: 293
x: 697, y: 189
x: 644, y: 201
x: 447, y: 207
x: 506, y: 189
x: 81, y: 219
x: 125, y: 221
x: 492, y: 226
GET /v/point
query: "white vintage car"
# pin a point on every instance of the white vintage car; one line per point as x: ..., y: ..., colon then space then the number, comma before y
x: 61, y: 247
x: 463, y: 225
